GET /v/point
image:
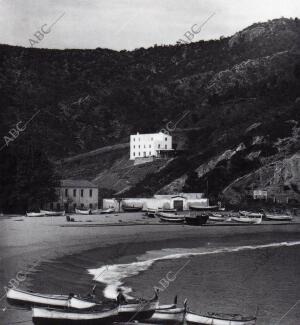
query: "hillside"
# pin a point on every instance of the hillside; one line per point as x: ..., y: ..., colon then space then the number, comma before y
x: 90, y: 99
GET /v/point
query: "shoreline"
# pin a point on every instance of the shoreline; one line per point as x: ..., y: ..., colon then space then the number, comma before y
x: 66, y: 253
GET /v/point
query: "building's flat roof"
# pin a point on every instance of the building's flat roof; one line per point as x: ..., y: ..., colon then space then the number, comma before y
x: 151, y: 134
x: 77, y: 183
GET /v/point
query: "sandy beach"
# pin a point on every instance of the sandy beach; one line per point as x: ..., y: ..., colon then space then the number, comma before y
x: 242, y: 269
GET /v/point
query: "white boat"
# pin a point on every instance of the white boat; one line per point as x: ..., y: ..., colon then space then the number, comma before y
x: 170, y: 217
x: 278, y: 217
x: 35, y: 214
x: 218, y: 319
x: 79, y: 211
x: 25, y: 298
x: 217, y: 217
x: 250, y: 214
x: 41, y: 316
x: 53, y: 213
x: 250, y: 218
x: 151, y: 213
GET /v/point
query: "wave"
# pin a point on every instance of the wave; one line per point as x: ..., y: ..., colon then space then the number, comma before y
x: 113, y: 275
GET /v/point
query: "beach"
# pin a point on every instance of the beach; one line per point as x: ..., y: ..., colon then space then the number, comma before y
x: 243, y: 269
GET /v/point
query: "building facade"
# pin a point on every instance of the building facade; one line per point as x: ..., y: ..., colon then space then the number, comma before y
x: 72, y: 194
x: 149, y: 145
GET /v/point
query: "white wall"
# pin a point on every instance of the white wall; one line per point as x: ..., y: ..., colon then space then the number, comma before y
x: 146, y: 145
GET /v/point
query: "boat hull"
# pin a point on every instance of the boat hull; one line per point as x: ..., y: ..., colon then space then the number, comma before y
x: 141, y: 311
x: 194, y: 319
x: 28, y: 299
x: 278, y: 218
x: 170, y: 217
x: 35, y: 214
x: 247, y: 220
x: 197, y: 220
x: 132, y: 209
x: 169, y: 316
x: 53, y: 213
x: 85, y: 212
x: 44, y: 316
x: 203, y: 208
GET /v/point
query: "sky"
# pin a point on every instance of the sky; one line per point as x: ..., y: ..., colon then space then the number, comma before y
x: 130, y: 24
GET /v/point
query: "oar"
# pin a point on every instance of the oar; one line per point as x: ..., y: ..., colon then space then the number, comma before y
x: 185, y: 310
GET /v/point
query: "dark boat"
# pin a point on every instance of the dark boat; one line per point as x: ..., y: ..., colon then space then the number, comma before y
x: 196, y: 219
x: 203, y: 208
x: 151, y: 213
x: 132, y: 208
x: 50, y: 316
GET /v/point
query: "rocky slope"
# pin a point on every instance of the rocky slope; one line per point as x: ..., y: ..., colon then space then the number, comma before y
x: 241, y: 94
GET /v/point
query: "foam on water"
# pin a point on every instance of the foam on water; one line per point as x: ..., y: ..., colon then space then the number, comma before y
x: 113, y: 275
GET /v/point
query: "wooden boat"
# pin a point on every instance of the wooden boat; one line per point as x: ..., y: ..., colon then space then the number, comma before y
x: 79, y: 211
x: 48, y: 316
x: 218, y: 319
x: 107, y: 211
x: 250, y: 218
x: 167, y: 210
x: 28, y: 299
x: 35, y: 214
x: 137, y: 310
x: 53, y: 213
x: 170, y: 217
x: 150, y: 213
x: 250, y: 214
x: 278, y: 217
x: 203, y: 208
x: 196, y: 219
x: 217, y: 217
x: 167, y: 316
x: 132, y: 208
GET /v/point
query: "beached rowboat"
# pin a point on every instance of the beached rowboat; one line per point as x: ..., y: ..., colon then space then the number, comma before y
x: 35, y: 214
x: 203, y: 208
x: 167, y: 316
x: 47, y: 316
x: 170, y: 217
x: 251, y: 219
x: 128, y: 208
x: 196, y: 219
x: 53, y: 213
x: 29, y: 299
x: 78, y: 211
x: 151, y: 213
x: 217, y: 217
x: 137, y: 311
x: 278, y: 217
x: 218, y: 319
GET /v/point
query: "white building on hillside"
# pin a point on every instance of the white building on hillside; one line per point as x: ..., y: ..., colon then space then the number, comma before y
x: 149, y: 145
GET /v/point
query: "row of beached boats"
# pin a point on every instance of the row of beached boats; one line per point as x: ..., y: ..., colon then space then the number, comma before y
x: 200, y: 215
x: 49, y: 213
x: 71, y: 309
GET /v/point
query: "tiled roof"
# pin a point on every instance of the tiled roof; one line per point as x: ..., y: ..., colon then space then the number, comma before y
x: 77, y: 183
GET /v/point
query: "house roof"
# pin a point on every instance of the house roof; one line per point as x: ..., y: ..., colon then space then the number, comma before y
x: 77, y: 183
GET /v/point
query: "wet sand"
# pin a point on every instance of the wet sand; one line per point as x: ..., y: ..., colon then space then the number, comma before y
x: 230, y: 282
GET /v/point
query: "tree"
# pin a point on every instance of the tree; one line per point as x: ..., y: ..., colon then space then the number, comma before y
x: 27, y: 177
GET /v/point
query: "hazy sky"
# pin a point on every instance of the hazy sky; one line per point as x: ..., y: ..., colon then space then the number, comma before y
x: 129, y: 24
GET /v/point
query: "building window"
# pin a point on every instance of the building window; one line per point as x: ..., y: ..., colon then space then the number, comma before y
x: 159, y: 146
x: 58, y: 206
x: 91, y: 192
x: 149, y: 153
x: 166, y: 139
x: 66, y: 192
x: 144, y: 154
x: 151, y: 139
x: 74, y: 193
x: 74, y: 206
x: 81, y: 193
x: 82, y: 205
x: 139, y: 146
x: 144, y: 146
x: 139, y: 154
x: 149, y: 145
x: 134, y: 146
x: 133, y: 139
x: 166, y: 146
x: 134, y: 154
x: 91, y: 205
